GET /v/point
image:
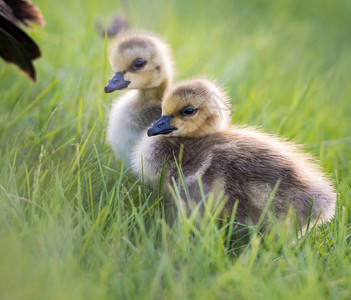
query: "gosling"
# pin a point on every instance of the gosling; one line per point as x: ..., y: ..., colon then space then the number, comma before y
x: 142, y: 63
x: 243, y: 163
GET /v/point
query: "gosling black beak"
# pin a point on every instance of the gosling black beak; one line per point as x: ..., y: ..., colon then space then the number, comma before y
x: 161, y: 126
x: 117, y: 82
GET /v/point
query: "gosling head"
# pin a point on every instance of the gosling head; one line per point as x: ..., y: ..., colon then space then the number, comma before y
x: 139, y: 60
x: 192, y: 108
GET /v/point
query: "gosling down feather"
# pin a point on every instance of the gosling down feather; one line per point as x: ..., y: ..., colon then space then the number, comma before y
x: 242, y: 163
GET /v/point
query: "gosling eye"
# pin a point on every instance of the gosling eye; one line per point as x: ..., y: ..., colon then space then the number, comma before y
x: 138, y: 64
x: 188, y: 111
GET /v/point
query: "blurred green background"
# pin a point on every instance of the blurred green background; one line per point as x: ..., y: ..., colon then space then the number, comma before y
x: 73, y: 222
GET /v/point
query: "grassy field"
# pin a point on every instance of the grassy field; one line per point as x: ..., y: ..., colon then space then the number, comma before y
x: 75, y: 224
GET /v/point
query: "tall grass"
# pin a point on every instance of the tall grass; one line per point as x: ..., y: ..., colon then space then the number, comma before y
x: 75, y: 224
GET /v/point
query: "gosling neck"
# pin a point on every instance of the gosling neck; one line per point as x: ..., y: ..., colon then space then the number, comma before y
x: 155, y: 92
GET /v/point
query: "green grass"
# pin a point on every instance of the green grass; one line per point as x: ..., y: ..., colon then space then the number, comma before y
x: 74, y: 224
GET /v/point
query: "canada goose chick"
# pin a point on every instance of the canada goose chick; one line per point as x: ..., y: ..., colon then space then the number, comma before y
x: 141, y: 62
x: 242, y: 163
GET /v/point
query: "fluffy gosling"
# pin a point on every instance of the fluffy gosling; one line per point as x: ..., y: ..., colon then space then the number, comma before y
x: 141, y: 62
x: 244, y: 164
